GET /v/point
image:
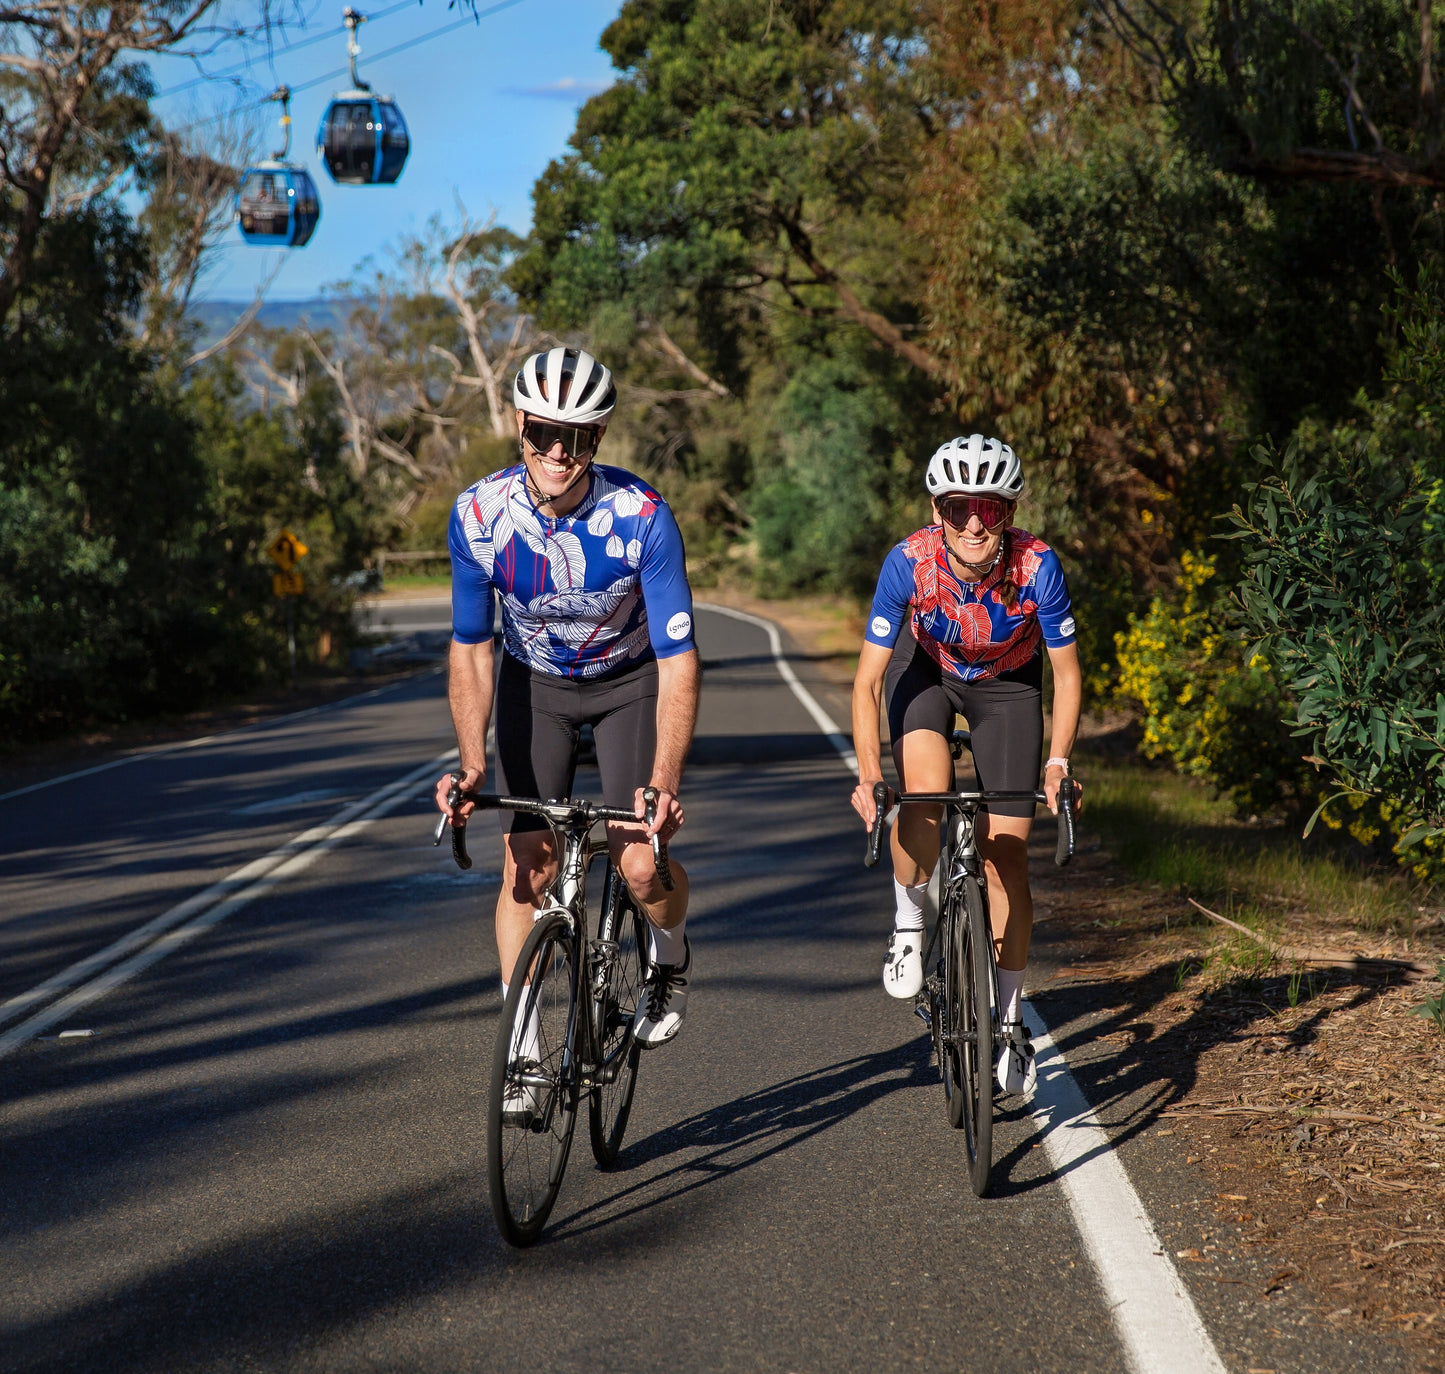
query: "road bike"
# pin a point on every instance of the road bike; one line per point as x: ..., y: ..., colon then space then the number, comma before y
x: 578, y: 990
x: 959, y: 1000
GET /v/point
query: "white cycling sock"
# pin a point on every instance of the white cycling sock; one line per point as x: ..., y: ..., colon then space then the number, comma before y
x: 1011, y: 992
x: 526, y: 1040
x: 908, y: 913
x: 666, y: 946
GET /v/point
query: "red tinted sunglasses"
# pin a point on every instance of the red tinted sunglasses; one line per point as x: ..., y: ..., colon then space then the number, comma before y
x: 991, y: 511
x: 577, y: 440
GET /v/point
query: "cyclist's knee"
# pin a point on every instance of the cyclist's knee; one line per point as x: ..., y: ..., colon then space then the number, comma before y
x: 529, y: 865
x: 638, y: 868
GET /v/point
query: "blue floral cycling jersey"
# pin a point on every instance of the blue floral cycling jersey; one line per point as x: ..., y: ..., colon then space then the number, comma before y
x: 964, y: 626
x: 583, y: 595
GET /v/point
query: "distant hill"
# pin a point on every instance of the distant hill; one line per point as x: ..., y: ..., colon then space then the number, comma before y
x: 216, y: 317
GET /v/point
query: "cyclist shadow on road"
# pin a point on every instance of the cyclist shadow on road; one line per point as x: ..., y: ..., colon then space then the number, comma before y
x: 735, y: 1135
x: 1132, y: 1070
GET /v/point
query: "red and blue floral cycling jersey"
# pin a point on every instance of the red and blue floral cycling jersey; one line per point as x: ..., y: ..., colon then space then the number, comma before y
x: 583, y: 595
x: 964, y: 626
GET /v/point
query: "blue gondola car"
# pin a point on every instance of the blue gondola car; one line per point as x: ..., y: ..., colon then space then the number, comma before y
x: 362, y: 138
x: 277, y: 205
x: 276, y: 202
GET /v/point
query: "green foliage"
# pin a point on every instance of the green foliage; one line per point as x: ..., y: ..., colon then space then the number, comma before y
x: 842, y: 489
x: 1215, y: 710
x: 1434, y: 1007
x: 132, y: 514
x: 1339, y: 597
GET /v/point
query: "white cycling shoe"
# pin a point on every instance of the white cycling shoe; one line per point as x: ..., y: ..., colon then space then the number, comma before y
x: 521, y: 1102
x: 903, y: 966
x: 1016, y: 1071
x: 664, y: 1001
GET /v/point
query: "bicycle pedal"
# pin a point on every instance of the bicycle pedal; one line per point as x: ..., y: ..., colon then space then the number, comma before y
x: 922, y: 1013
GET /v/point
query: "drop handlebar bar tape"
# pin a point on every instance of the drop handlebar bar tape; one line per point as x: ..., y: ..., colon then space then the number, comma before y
x: 1068, y: 803
x: 875, y: 834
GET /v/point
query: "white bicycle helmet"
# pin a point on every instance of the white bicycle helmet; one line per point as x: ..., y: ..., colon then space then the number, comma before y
x: 975, y: 466
x: 567, y: 385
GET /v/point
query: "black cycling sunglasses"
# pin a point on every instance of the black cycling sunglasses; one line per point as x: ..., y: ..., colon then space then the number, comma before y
x: 578, y: 441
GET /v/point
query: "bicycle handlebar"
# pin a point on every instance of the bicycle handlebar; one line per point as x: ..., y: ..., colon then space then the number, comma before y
x: 558, y: 814
x: 1068, y: 804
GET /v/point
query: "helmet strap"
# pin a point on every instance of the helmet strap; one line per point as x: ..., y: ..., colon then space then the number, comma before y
x: 539, y: 497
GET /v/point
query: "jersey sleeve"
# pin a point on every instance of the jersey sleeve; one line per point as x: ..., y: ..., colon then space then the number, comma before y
x: 1055, y: 611
x: 891, y: 600
x: 665, y: 590
x: 471, y: 586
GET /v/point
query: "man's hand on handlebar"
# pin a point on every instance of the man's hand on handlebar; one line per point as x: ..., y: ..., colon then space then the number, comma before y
x: 863, y: 800
x: 472, y: 779
x: 1053, y: 776
x: 669, y: 818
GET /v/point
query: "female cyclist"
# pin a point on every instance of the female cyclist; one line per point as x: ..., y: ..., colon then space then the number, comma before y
x: 963, y: 609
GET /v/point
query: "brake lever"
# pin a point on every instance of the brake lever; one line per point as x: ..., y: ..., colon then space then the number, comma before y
x: 459, y: 832
x: 650, y: 796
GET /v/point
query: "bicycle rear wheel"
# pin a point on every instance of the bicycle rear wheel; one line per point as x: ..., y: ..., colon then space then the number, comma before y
x: 527, y: 1149
x: 972, y: 951
x: 619, y: 962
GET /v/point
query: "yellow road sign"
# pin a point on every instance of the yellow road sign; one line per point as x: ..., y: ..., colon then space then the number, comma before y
x: 287, y: 584
x: 286, y: 551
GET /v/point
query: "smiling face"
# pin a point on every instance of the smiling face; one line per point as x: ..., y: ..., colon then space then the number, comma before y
x: 556, y: 476
x: 974, y: 544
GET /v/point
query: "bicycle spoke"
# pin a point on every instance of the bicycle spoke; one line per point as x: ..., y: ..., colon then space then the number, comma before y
x: 532, y: 1108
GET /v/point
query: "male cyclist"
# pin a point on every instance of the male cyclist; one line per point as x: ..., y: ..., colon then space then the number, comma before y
x: 962, y: 611
x: 596, y: 629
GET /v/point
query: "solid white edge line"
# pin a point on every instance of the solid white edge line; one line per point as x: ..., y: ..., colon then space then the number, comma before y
x: 215, y: 903
x: 821, y: 718
x: 179, y: 746
x: 1154, y: 1315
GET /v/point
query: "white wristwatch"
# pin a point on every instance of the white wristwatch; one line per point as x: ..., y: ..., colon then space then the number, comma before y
x: 1062, y: 763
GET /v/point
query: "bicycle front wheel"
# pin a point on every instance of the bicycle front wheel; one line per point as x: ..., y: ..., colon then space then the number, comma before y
x: 532, y: 1109
x: 971, y: 953
x: 618, y: 965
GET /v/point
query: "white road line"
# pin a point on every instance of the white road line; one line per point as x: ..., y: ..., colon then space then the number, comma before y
x: 160, y: 936
x: 823, y: 720
x: 1156, y: 1320
x: 181, y: 745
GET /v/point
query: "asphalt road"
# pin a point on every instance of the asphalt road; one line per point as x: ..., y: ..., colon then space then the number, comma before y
x: 268, y: 1152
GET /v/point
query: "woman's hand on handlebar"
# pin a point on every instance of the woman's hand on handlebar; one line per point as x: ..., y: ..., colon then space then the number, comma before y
x: 472, y: 779
x: 863, y: 800
x: 1053, y: 776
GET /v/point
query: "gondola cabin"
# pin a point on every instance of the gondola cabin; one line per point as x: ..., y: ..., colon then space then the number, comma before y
x: 362, y: 139
x: 277, y: 205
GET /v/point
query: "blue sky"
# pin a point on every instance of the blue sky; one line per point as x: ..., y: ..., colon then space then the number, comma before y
x: 488, y: 105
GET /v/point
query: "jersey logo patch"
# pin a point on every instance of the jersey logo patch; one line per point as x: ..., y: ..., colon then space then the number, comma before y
x: 880, y: 627
x: 1066, y: 625
x: 680, y: 626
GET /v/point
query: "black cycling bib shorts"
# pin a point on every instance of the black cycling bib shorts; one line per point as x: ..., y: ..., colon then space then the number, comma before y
x: 539, y: 718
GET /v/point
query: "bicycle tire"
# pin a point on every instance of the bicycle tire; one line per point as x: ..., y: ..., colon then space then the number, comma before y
x: 949, y: 1005
x: 617, y: 988
x: 526, y: 1160
x: 976, y: 1040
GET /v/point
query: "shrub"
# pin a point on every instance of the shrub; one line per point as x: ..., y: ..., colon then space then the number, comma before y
x: 1345, y: 607
x: 1212, y: 708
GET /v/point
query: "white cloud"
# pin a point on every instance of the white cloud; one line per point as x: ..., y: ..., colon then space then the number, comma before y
x: 564, y: 88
